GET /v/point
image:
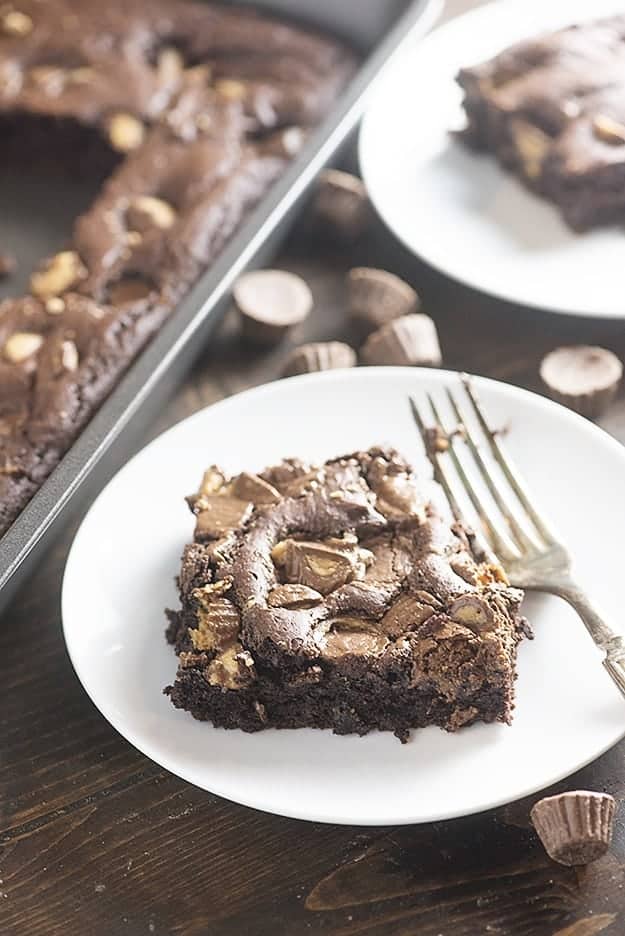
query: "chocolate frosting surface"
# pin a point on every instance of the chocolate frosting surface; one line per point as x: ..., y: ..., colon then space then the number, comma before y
x: 374, y: 550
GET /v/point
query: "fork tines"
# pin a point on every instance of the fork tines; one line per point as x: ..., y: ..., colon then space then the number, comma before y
x: 509, y: 528
x: 481, y: 477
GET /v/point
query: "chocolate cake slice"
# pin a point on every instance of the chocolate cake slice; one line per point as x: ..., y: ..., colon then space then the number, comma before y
x: 342, y: 596
x: 552, y: 110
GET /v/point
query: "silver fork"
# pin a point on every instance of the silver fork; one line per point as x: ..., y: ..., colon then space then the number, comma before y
x: 514, y: 535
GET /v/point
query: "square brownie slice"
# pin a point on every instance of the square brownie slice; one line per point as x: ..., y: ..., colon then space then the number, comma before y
x: 342, y: 596
x: 552, y: 111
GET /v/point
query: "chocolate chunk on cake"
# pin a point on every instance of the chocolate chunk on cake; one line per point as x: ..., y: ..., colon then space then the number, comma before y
x: 552, y: 109
x: 188, y: 112
x: 339, y: 596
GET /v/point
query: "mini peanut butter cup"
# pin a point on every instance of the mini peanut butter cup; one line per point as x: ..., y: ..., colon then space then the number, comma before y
x: 341, y: 205
x: 271, y: 303
x: 376, y: 297
x: 575, y: 827
x: 583, y: 377
x: 319, y: 356
x: 409, y: 340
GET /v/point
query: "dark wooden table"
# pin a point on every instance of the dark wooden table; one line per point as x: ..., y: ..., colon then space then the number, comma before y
x: 95, y: 839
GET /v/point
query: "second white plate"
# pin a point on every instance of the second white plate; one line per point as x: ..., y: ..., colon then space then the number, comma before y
x: 457, y: 209
x: 120, y: 577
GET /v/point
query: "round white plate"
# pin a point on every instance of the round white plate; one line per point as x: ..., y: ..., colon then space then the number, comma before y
x: 457, y: 209
x: 120, y: 572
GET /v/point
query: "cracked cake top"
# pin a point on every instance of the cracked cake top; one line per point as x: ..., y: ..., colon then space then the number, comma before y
x: 353, y: 558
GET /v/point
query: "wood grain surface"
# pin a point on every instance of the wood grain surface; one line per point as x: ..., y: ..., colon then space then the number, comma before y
x: 95, y: 839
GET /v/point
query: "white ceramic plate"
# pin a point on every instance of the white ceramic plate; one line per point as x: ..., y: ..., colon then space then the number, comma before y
x: 458, y: 210
x: 119, y: 578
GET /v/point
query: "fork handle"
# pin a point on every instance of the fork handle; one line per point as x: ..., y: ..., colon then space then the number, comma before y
x: 604, y: 637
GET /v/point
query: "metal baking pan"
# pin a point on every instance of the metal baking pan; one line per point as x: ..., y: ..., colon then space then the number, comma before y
x: 37, y: 218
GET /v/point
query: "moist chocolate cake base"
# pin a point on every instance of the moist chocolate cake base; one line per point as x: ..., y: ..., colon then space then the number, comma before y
x: 345, y: 705
x: 342, y: 596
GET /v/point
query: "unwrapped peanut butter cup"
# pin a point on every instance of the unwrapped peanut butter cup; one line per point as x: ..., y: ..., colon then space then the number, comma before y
x: 376, y: 297
x: 271, y: 302
x: 409, y: 340
x: 575, y: 827
x: 341, y: 206
x: 319, y: 356
x: 582, y: 377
